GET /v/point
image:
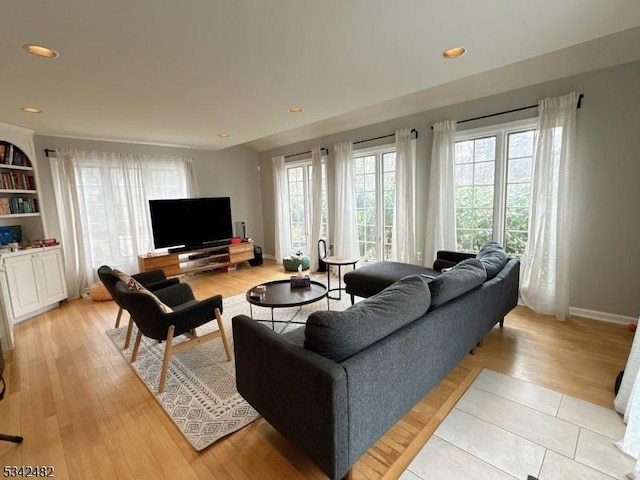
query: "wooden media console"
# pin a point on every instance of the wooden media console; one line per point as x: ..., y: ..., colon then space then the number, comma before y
x: 193, y: 261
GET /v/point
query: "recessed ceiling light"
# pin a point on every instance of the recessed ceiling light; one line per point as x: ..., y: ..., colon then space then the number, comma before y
x: 454, y: 52
x: 41, y: 51
x: 295, y: 110
x: 224, y: 135
x: 31, y: 110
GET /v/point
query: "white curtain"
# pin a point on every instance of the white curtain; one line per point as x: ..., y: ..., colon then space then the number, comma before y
x: 441, y: 210
x: 102, y: 201
x: 316, y: 206
x: 70, y: 219
x: 403, y: 246
x: 280, y: 201
x: 545, y: 265
x: 627, y: 402
x: 345, y: 238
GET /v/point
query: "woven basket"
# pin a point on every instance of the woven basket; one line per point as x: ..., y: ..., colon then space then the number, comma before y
x: 98, y: 292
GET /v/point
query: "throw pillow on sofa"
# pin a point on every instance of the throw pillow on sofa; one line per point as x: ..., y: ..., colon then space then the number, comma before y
x: 493, y: 257
x: 463, y: 277
x: 339, y: 335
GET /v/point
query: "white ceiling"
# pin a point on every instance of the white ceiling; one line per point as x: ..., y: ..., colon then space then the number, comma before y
x: 181, y: 72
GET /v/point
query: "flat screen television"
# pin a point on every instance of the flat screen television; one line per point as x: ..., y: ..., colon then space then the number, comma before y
x: 190, y: 223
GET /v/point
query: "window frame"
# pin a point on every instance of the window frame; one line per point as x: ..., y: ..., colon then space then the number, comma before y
x: 501, y: 131
x: 378, y: 151
x: 306, y: 164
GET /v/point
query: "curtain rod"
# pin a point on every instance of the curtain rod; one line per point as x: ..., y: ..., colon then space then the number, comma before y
x: 413, y: 130
x: 305, y: 153
x: 49, y: 151
x: 511, y: 111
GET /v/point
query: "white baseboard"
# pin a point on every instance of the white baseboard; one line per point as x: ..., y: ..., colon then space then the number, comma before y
x: 603, y: 316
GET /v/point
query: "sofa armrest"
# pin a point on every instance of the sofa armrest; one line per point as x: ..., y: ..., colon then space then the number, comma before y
x: 449, y: 258
x: 301, y: 394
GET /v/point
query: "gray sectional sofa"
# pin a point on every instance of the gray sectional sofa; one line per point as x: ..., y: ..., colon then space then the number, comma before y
x: 369, y: 279
x: 335, y: 386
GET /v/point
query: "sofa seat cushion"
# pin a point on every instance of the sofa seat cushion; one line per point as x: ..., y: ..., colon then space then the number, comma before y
x: 368, y: 280
x: 339, y: 335
x: 463, y: 277
x: 493, y: 257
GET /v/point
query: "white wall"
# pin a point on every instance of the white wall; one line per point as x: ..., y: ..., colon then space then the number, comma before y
x: 232, y: 172
x: 606, y: 257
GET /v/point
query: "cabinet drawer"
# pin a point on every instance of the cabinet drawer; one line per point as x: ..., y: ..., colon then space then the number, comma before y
x: 155, y: 262
x: 241, y: 257
x: 241, y: 248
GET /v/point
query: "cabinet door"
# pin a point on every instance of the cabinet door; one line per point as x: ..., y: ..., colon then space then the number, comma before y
x: 53, y: 287
x: 23, y: 286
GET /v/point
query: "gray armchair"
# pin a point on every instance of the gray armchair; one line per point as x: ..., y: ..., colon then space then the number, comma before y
x: 152, y: 280
x: 183, y: 316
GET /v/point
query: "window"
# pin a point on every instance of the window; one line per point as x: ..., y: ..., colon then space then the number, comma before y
x: 115, y: 213
x: 493, y: 186
x: 111, y: 194
x: 374, y: 172
x: 299, y: 182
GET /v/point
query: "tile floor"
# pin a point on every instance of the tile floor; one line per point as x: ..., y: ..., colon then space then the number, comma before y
x: 506, y: 428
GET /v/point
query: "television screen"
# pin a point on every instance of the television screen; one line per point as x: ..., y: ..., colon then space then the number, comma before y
x: 192, y: 222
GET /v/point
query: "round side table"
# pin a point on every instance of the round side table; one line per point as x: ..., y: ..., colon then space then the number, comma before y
x: 339, y: 262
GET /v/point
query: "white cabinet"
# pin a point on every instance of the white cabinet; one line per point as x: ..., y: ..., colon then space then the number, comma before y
x: 51, y: 276
x: 22, y: 282
x: 32, y: 281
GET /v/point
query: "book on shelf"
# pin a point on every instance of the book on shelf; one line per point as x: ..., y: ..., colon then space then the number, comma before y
x: 17, y: 181
x: 10, y: 155
x: 18, y: 158
x: 19, y: 205
x: 4, y: 206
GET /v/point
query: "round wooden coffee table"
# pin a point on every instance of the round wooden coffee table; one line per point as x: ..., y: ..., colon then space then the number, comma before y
x: 280, y: 294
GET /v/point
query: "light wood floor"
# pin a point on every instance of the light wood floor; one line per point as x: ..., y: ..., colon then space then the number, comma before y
x: 82, y: 409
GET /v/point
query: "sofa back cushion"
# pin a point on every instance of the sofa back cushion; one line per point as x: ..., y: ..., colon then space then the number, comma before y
x: 493, y: 257
x: 339, y: 335
x: 463, y: 277
x: 449, y: 258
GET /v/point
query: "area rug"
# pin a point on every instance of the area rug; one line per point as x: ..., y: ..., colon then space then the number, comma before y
x: 200, y: 394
